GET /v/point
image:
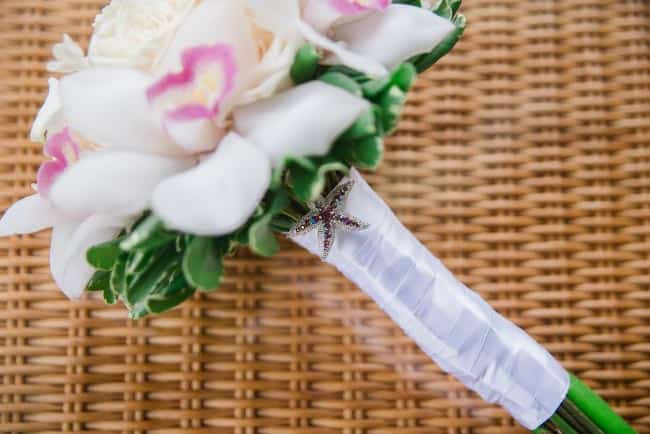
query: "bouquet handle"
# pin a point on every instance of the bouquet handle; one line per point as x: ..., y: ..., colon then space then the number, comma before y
x: 452, y: 324
x: 449, y: 322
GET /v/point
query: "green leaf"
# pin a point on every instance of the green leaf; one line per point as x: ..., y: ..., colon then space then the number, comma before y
x: 262, y: 240
x: 443, y: 9
x: 153, y: 278
x: 149, y: 234
x: 404, y: 76
x: 139, y: 262
x: 261, y: 237
x: 365, y: 126
x: 366, y: 153
x: 343, y: 81
x: 100, y: 281
x: 305, y: 64
x: 158, y: 304
x: 118, y: 276
x: 203, y: 262
x: 392, y: 104
x: 415, y: 3
x: 374, y: 87
x: 109, y: 296
x: 454, y: 5
x: 103, y: 256
x: 308, y: 183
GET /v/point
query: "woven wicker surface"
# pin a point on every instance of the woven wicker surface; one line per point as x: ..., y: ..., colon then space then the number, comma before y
x: 523, y: 161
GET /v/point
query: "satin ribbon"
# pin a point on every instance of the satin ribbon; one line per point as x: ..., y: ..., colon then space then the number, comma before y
x: 448, y: 321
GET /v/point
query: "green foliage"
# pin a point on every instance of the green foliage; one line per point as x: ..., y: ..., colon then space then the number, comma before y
x: 261, y: 232
x: 415, y: 3
x: 203, y: 262
x: 305, y: 64
x: 152, y: 269
x: 343, y: 81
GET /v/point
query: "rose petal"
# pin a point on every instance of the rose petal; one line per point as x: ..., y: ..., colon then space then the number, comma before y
x: 108, y: 106
x: 341, y: 54
x: 212, y: 22
x: 50, y: 116
x: 304, y: 120
x: 70, y: 242
x: 28, y: 215
x: 395, y: 35
x: 220, y: 194
x: 112, y: 182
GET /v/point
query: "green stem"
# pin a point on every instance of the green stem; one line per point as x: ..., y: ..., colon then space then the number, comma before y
x: 596, y: 409
x: 580, y: 418
x: 563, y: 425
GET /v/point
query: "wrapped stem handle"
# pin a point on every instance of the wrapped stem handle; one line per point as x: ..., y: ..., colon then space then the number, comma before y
x: 448, y: 321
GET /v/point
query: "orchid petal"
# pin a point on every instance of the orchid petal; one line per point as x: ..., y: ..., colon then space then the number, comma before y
x: 190, y: 100
x: 220, y: 194
x: 212, y: 22
x: 395, y: 35
x: 341, y: 54
x: 64, y: 151
x: 28, y: 215
x: 112, y: 182
x: 108, y: 107
x: 277, y: 16
x: 323, y: 14
x: 285, y: 124
x: 355, y: 7
x: 50, y: 116
x: 70, y: 242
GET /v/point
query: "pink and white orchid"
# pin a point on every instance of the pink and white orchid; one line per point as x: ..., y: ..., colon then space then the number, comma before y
x: 188, y: 118
x: 372, y: 36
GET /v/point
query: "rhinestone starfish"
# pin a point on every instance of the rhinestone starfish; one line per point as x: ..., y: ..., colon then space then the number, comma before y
x: 327, y: 216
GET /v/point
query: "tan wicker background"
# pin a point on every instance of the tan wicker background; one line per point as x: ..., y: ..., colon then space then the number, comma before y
x: 523, y: 161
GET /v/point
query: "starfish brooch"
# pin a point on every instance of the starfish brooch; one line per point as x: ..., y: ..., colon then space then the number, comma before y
x: 328, y: 215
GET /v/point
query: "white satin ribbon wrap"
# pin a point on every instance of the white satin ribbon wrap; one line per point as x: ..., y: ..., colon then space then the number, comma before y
x: 448, y: 321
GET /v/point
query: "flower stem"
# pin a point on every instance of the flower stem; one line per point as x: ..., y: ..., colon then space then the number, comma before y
x: 596, y: 409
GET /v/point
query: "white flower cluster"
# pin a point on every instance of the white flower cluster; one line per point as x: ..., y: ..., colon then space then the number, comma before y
x: 184, y: 107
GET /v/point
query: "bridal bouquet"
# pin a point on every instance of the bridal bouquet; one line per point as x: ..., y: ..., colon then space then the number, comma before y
x: 192, y: 128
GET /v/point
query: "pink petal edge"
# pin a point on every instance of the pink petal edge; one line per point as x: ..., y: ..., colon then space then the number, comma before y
x: 55, y: 148
x: 191, y: 60
x: 352, y: 7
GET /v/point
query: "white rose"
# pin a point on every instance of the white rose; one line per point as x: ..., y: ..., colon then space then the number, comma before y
x: 136, y: 32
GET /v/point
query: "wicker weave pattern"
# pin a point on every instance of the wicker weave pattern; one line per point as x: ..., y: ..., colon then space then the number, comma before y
x: 523, y: 161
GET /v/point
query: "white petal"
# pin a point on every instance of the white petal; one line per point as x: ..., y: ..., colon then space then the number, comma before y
x: 304, y: 120
x: 28, y: 215
x: 112, y: 182
x: 108, y: 106
x: 320, y: 15
x: 342, y: 54
x: 199, y: 135
x: 220, y: 194
x: 277, y: 16
x: 68, y: 57
x: 50, y: 116
x: 395, y: 35
x: 213, y: 22
x: 70, y: 241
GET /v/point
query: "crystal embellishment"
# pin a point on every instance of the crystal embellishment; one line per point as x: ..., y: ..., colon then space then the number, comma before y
x: 327, y: 216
